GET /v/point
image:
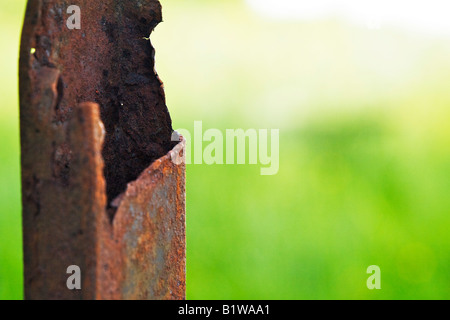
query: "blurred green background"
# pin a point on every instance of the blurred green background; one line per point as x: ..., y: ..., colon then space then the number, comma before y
x: 364, y: 161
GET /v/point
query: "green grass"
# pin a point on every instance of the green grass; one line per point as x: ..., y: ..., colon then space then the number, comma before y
x: 364, y: 159
x: 11, y: 269
x: 345, y: 198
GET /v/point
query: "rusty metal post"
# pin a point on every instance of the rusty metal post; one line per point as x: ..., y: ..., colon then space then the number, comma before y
x: 100, y: 189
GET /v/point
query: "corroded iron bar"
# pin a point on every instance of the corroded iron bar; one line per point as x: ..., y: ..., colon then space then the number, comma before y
x: 100, y: 189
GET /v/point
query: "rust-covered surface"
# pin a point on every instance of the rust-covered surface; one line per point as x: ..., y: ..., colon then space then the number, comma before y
x: 149, y: 234
x: 100, y: 189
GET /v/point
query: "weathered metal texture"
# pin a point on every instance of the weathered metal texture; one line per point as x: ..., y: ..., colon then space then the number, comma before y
x: 149, y: 234
x: 99, y: 188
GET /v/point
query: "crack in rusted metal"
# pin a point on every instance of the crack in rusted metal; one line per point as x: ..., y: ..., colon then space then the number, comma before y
x: 94, y: 118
